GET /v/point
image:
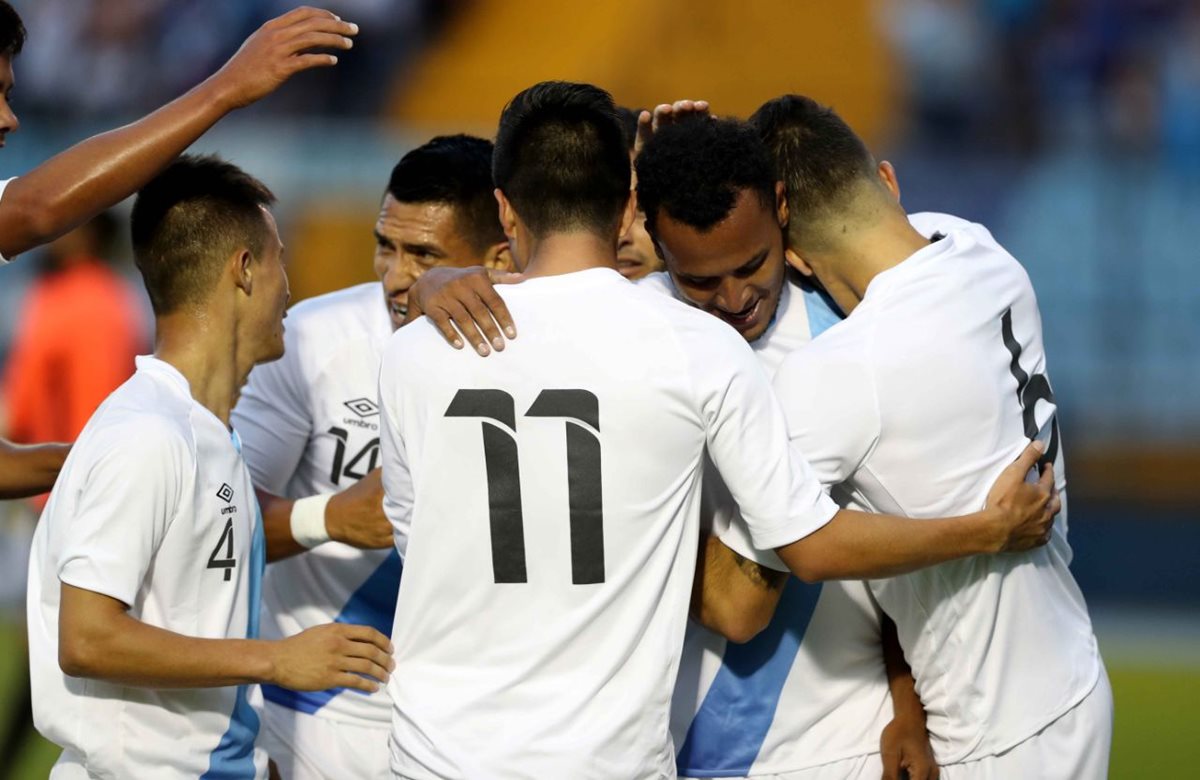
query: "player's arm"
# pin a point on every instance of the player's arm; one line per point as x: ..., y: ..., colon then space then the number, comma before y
x: 353, y: 516
x: 731, y: 594
x: 99, y: 639
x: 27, y: 470
x: 904, y: 744
x: 73, y: 186
x: 462, y: 303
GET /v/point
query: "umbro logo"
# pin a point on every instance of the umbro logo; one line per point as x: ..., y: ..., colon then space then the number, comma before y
x: 363, y: 407
x: 225, y: 493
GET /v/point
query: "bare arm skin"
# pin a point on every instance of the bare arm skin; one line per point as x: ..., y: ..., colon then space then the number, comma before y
x: 354, y: 517
x: 904, y: 744
x: 75, y: 185
x: 732, y: 595
x: 28, y: 470
x: 98, y: 639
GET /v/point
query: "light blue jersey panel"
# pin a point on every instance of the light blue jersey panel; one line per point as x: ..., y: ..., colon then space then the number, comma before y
x: 728, y: 731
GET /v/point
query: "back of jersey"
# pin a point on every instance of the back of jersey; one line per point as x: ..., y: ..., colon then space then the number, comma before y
x: 553, y: 491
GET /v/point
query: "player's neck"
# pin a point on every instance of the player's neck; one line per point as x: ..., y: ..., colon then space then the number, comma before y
x: 855, y: 261
x: 204, y: 350
x: 565, y: 253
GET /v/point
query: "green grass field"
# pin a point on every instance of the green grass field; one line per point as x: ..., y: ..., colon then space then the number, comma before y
x: 1157, y: 731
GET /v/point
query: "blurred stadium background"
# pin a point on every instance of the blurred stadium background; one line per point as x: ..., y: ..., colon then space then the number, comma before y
x: 1070, y: 127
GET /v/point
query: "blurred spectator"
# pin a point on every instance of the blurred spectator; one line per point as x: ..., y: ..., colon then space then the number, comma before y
x: 78, y: 332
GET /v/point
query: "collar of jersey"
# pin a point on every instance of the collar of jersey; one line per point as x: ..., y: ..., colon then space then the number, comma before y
x: 947, y: 245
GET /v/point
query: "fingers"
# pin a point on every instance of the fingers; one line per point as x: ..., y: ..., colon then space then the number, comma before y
x: 645, y: 129
x: 922, y: 769
x: 1046, y: 481
x: 348, y: 680
x: 300, y: 14
x: 441, y: 320
x: 320, y: 40
x: 363, y: 666
x: 1029, y: 456
x: 306, y: 61
x: 891, y: 766
x: 465, y: 322
x: 366, y: 634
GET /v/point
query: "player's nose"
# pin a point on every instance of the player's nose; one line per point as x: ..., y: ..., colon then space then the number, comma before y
x: 8, y: 120
x: 733, y: 295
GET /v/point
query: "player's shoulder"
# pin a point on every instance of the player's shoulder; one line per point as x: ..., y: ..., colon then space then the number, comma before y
x: 144, y: 418
x: 355, y: 309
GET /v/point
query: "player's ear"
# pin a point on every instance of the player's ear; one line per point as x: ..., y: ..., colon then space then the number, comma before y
x: 508, y: 217
x: 796, y: 261
x: 242, y: 267
x: 781, y: 204
x: 498, y: 257
x: 887, y: 175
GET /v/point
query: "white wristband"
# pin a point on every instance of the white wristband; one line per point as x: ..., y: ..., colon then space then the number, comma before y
x: 308, y: 520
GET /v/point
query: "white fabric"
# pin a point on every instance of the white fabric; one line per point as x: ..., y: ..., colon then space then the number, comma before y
x: 1074, y: 747
x: 307, y: 747
x: 301, y: 418
x: 912, y: 403
x: 3, y: 186
x: 143, y: 512
x: 547, y: 678
x: 866, y: 767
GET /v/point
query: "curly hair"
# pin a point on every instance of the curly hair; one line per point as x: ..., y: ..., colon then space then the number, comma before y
x: 694, y: 169
x: 12, y: 31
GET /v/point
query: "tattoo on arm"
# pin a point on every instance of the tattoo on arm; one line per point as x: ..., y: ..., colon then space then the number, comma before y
x: 761, y: 576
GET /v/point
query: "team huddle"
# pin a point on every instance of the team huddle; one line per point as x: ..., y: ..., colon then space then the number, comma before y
x: 748, y: 473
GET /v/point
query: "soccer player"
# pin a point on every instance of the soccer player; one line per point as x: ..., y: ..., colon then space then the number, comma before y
x: 72, y: 187
x: 636, y: 257
x: 542, y: 610
x: 811, y: 694
x: 310, y: 426
x: 939, y: 361
x: 146, y: 566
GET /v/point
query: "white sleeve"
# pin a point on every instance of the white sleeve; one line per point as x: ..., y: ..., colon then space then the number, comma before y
x: 397, y: 479
x: 776, y: 491
x: 3, y: 186
x: 273, y: 417
x: 130, y: 495
x: 832, y: 413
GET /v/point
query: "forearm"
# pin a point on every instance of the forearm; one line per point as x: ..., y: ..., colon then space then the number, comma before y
x: 905, y: 701
x: 121, y: 649
x: 860, y: 545
x: 29, y: 470
x: 731, y: 595
x: 91, y: 176
x: 277, y: 526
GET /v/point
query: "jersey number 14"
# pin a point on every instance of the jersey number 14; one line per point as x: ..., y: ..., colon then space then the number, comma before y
x: 579, y: 408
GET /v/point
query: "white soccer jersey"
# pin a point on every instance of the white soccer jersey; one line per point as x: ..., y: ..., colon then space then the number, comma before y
x: 916, y: 402
x: 309, y: 424
x: 154, y: 507
x: 3, y: 186
x: 549, y: 498
x: 810, y: 689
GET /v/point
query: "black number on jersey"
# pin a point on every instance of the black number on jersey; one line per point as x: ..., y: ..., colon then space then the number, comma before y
x: 1030, y: 390
x: 355, y: 469
x: 225, y: 545
x: 504, y: 477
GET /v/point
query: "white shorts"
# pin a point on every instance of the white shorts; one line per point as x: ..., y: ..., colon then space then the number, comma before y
x: 868, y: 767
x: 307, y: 747
x: 1074, y: 747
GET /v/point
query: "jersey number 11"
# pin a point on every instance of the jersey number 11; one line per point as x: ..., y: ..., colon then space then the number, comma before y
x: 504, y: 477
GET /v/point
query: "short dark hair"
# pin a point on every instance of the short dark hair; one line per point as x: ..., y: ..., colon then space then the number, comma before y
x: 455, y: 170
x: 188, y: 220
x: 694, y: 169
x: 12, y: 31
x: 817, y: 154
x: 561, y: 158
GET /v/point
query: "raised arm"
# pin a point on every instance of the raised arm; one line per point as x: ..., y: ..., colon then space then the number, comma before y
x: 27, y: 470
x: 99, y: 639
x: 75, y: 185
x: 462, y: 303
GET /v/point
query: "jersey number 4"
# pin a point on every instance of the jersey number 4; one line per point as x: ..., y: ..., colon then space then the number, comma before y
x: 579, y: 408
x: 224, y: 545
x: 1030, y: 390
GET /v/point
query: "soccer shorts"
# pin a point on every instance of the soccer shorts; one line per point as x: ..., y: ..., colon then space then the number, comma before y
x: 867, y: 767
x: 306, y: 747
x: 1074, y: 747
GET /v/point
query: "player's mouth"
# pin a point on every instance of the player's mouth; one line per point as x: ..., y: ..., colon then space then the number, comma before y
x: 398, y: 311
x: 742, y: 320
x: 628, y: 266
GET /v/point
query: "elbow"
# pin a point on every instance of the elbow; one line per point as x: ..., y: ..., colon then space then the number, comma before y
x: 737, y: 626
x: 78, y: 657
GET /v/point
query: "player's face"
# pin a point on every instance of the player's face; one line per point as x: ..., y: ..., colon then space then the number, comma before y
x: 411, y: 238
x: 635, y: 252
x: 735, y: 270
x: 8, y: 119
x: 270, y: 278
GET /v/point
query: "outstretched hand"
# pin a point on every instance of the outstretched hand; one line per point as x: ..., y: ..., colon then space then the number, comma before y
x: 280, y: 49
